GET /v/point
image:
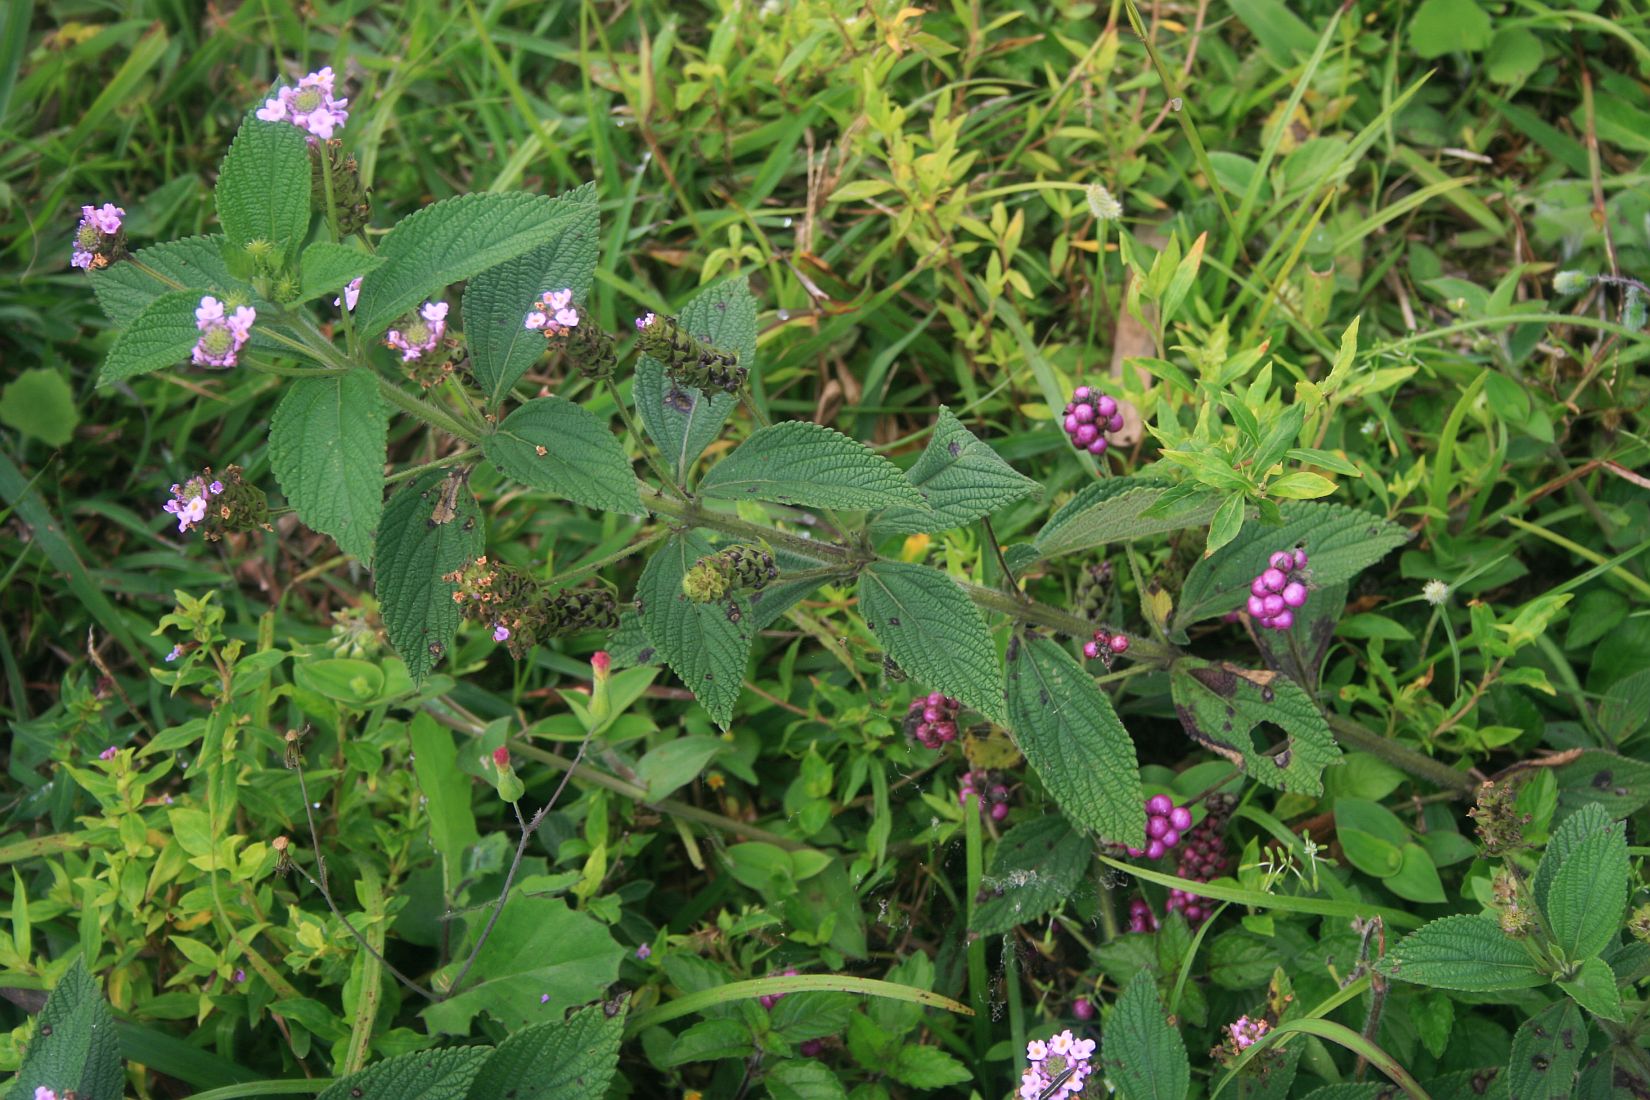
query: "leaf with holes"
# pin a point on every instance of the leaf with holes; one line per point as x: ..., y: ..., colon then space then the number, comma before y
x: 683, y: 422
x: 1584, y: 898
x: 1141, y: 1051
x: 1466, y: 952
x: 1117, y: 509
x: 497, y: 300
x: 705, y: 644
x: 1221, y: 704
x: 263, y: 188
x: 452, y: 240
x: 1035, y: 867
x: 555, y: 1059
x: 1340, y: 543
x: 562, y: 448
x: 74, y: 1048
x: 799, y: 462
x: 431, y: 528
x: 422, y: 1075
x: 326, y: 268
x: 1071, y: 737
x: 932, y: 631
x: 162, y: 335
x: 327, y: 445
x: 192, y: 263
x: 960, y: 478
x: 1546, y: 1053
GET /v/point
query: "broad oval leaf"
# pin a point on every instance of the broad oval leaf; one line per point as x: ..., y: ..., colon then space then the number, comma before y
x: 1072, y: 738
x: 960, y: 479
x: 263, y: 187
x: 161, y: 335
x: 497, y: 300
x: 1546, y: 1053
x: 452, y: 240
x: 560, y: 447
x: 1583, y: 904
x: 1115, y: 510
x: 1219, y: 704
x: 683, y: 422
x: 430, y: 528
x: 193, y: 263
x: 934, y: 632
x: 327, y: 445
x: 555, y: 1059
x: 423, y: 1075
x: 1467, y: 952
x: 1142, y: 1052
x: 1036, y: 866
x: 803, y: 463
x: 74, y: 1047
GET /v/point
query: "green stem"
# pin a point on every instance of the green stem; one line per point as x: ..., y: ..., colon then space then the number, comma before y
x: 1401, y: 756
x: 423, y: 410
x: 693, y: 514
x: 580, y: 572
x: 290, y: 372
x: 439, y: 464
x: 641, y: 441
x: 297, y: 1087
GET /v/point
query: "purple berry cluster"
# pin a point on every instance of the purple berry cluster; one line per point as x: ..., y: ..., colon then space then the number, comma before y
x: 1141, y: 917
x: 1164, y: 823
x: 1203, y: 858
x: 993, y: 796
x: 1088, y: 416
x: 1277, y: 591
x: 932, y: 719
x: 770, y: 999
x: 1106, y: 645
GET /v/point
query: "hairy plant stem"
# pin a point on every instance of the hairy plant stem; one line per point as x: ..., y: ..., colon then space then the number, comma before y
x: 1401, y: 756
x: 423, y: 410
x: 453, y: 459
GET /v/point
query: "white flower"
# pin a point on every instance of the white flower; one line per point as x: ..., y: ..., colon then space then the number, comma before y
x: 1102, y: 204
x: 1435, y: 592
x: 1036, y: 1050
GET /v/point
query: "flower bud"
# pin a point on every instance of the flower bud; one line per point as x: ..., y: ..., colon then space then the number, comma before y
x: 1571, y: 282
x: 600, y: 672
x: 731, y: 570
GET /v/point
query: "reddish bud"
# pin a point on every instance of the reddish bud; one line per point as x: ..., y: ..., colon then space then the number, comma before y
x: 501, y: 756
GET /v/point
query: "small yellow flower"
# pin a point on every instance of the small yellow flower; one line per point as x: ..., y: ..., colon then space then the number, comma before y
x: 715, y: 781
x: 915, y: 547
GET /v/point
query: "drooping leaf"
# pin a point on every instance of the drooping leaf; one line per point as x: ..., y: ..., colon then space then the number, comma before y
x: 932, y: 631
x: 191, y: 263
x: 561, y: 447
x: 554, y: 1059
x: 452, y: 240
x: 960, y: 479
x: 263, y: 188
x: 1071, y: 737
x: 496, y: 301
x: 446, y: 791
x: 1546, y: 1053
x: 705, y: 644
x: 1141, y: 1052
x: 1594, y: 988
x: 538, y: 947
x: 1036, y: 866
x: 325, y: 268
x: 431, y: 528
x: 1340, y: 542
x: 682, y: 422
x: 74, y: 1047
x: 327, y: 446
x: 160, y: 336
x: 423, y: 1075
x: 1467, y: 952
x: 1219, y: 704
x: 1114, y: 510
x: 799, y: 462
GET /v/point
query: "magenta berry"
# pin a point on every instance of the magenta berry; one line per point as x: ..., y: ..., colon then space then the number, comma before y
x: 810, y: 1048
x: 1158, y: 805
x: 994, y: 797
x: 1091, y: 650
x: 1141, y: 917
x: 1119, y: 643
x: 1294, y: 593
x: 1202, y: 858
x: 932, y: 720
x: 1087, y: 416
x: 1105, y: 646
x: 1181, y: 818
x: 1083, y: 1008
x: 1278, y: 590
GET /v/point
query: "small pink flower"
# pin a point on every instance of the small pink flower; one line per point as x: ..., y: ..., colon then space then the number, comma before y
x: 422, y: 334
x: 1246, y: 1032
x: 1036, y: 1051
x: 177, y: 651
x: 645, y: 321
x: 41, y: 1092
x: 553, y: 313
x: 501, y: 757
x: 501, y: 633
x: 222, y: 335
x: 644, y: 951
x: 352, y: 294
x: 311, y: 106
x: 601, y: 663
x: 107, y: 754
x: 240, y: 976
x: 95, y: 235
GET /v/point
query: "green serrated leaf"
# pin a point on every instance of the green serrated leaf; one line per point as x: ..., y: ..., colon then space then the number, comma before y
x: 1617, y: 784
x: 710, y: 1040
x: 1340, y: 541
x: 263, y: 188
x: 1594, y: 988
x: 932, y: 631
x: 1585, y: 822
x: 431, y: 528
x: 325, y: 268
x: 497, y: 300
x: 925, y: 1067
x: 1035, y: 867
x: 327, y: 446
x: 162, y: 335
x: 1117, y: 509
x: 799, y: 1080
x: 423, y: 1075
x: 555, y: 1059
x: 192, y: 263
x: 1546, y: 1052
x: 802, y: 463
x: 1465, y: 952
x: 1142, y: 1054
x: 40, y: 404
x: 74, y: 1047
x: 705, y: 644
x: 683, y: 422
x: 960, y: 479
x: 452, y: 240
x: 1583, y: 904
x: 1064, y: 724
x: 560, y: 447
x: 1219, y: 704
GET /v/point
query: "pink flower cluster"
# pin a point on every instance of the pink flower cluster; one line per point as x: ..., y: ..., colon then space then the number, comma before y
x: 222, y: 334
x: 188, y: 502
x: 99, y: 225
x: 553, y: 313
x: 1088, y: 416
x: 645, y: 321
x: 352, y: 294
x: 1277, y: 591
x: 311, y: 106
x: 1106, y: 645
x: 422, y: 334
x: 932, y: 719
x: 1164, y: 823
x: 993, y: 796
x: 1074, y: 1067
x: 1246, y: 1032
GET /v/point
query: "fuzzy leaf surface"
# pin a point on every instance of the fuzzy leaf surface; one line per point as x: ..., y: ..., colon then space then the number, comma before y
x: 1141, y: 1052
x: 194, y: 263
x: 557, y: 1058
x: 561, y: 447
x: 415, y: 551
x: 683, y: 422
x: 327, y: 444
x: 1036, y: 865
x: 960, y: 478
x: 325, y: 268
x: 933, y: 632
x: 1466, y: 952
x: 74, y: 1046
x: 1546, y: 1053
x: 799, y: 462
x: 423, y: 1075
x: 263, y: 187
x: 161, y: 335
x: 1114, y: 510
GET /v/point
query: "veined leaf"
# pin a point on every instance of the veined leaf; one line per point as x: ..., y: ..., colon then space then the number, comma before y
x: 555, y: 1059
x: 934, y: 632
x: 683, y: 422
x: 1036, y: 865
x: 327, y: 445
x: 325, y: 268
x: 799, y: 462
x: 431, y: 528
x: 1218, y: 704
x: 1546, y: 1053
x: 192, y: 263
x: 1071, y: 737
x: 263, y: 188
x: 446, y: 790
x: 1466, y: 952
x: 160, y: 336
x: 74, y: 1047
x: 960, y: 479
x: 1141, y: 1052
x: 556, y: 445
x: 423, y: 1075
x: 1116, y: 510
x: 1583, y: 902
